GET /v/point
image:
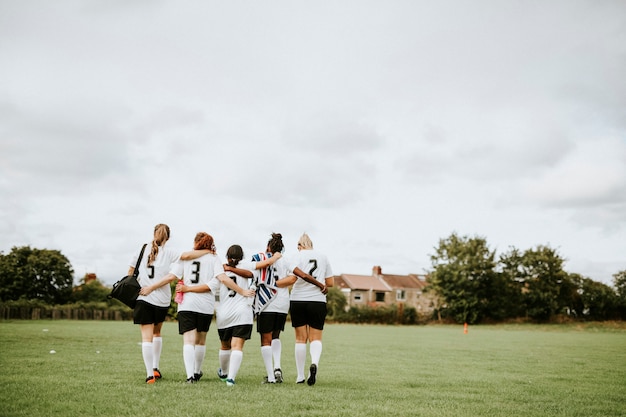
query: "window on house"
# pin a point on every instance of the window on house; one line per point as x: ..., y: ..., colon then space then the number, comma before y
x: 400, y: 295
x: 357, y: 297
x: 380, y: 297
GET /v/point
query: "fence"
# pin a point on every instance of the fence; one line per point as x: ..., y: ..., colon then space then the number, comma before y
x: 37, y: 313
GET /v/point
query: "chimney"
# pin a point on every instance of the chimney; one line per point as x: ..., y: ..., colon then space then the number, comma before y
x: 377, y: 271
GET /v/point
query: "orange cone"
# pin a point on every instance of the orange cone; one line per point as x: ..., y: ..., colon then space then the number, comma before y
x: 465, y: 328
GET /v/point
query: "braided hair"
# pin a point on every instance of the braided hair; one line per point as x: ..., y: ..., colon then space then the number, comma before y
x: 161, y: 235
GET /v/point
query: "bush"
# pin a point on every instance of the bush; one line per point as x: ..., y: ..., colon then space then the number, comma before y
x: 392, y: 314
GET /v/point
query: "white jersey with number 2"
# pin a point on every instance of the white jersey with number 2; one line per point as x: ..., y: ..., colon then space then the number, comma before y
x: 313, y: 263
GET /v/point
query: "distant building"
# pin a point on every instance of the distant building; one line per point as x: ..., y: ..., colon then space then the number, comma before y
x: 90, y: 277
x: 381, y: 289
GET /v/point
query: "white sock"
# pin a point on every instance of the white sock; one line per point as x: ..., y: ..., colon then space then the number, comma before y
x: 300, y: 360
x: 266, y: 353
x: 224, y: 357
x: 157, y: 345
x: 189, y: 357
x: 277, y: 348
x: 147, y: 352
x: 315, y: 349
x: 200, y: 353
x: 236, y: 357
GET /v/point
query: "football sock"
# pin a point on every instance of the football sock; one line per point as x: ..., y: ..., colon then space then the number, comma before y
x: 277, y: 348
x: 200, y: 351
x: 300, y: 360
x: 266, y: 353
x: 224, y: 357
x: 147, y: 352
x: 189, y: 357
x: 236, y: 357
x: 157, y: 345
x: 315, y: 349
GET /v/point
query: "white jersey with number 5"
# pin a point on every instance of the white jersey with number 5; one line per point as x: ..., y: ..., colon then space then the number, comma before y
x: 200, y: 271
x: 161, y: 297
x: 313, y: 263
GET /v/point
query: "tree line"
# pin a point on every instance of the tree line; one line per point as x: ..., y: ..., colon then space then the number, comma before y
x: 471, y: 284
x: 468, y: 282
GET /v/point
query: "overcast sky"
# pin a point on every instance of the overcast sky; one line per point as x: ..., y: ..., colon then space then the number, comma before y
x: 378, y: 127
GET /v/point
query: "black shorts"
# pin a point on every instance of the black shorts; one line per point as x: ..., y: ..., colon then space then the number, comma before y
x: 311, y: 313
x: 243, y: 331
x: 270, y: 322
x: 190, y: 320
x: 146, y: 313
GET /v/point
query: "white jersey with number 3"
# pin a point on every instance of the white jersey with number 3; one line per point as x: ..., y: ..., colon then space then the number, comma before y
x: 235, y: 309
x: 200, y: 271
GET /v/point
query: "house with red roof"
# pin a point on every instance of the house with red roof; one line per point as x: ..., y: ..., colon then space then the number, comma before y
x: 381, y: 289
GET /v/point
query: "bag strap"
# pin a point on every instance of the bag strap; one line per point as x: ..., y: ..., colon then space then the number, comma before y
x: 136, y: 271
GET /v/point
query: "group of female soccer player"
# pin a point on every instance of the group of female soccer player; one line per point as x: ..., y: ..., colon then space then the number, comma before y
x: 247, y: 289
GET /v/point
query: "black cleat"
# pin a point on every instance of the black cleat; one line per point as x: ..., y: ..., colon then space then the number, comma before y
x: 312, y: 372
x: 278, y: 374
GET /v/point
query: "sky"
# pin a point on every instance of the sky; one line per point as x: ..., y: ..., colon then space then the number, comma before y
x: 377, y: 127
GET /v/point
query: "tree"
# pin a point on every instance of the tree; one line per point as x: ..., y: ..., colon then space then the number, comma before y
x: 41, y: 274
x: 599, y: 300
x: 619, y: 283
x: 463, y: 275
x: 336, y: 302
x: 542, y: 276
x: 90, y: 290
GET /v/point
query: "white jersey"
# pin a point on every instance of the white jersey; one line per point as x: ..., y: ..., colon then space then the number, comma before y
x: 200, y: 271
x: 316, y: 264
x: 280, y: 303
x: 235, y: 309
x: 161, y: 297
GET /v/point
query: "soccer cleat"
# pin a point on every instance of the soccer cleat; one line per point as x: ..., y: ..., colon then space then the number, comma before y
x: 278, y: 374
x: 198, y: 376
x: 230, y: 382
x: 191, y: 380
x: 300, y: 382
x: 312, y: 372
x: 157, y: 373
x: 267, y: 381
x: 221, y: 376
x: 150, y: 380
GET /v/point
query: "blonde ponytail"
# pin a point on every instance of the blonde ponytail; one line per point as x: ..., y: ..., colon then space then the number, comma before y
x: 161, y: 235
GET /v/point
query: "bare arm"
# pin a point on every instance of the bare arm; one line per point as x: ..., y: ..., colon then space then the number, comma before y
x: 286, y: 282
x: 232, y: 285
x: 131, y: 270
x: 239, y: 271
x: 310, y: 279
x: 195, y: 254
x: 269, y: 261
x: 181, y: 287
x: 165, y: 280
x: 330, y: 282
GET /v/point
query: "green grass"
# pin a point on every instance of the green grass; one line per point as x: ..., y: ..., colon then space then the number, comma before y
x: 507, y: 370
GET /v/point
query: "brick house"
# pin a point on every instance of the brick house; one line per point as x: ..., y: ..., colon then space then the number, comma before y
x: 381, y: 289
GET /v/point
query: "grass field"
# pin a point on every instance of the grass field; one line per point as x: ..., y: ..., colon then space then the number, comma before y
x: 507, y: 370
